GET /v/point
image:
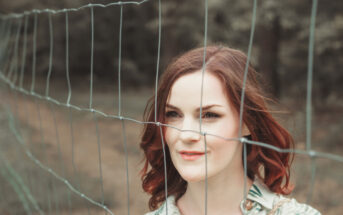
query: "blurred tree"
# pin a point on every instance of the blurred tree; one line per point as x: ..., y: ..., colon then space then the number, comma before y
x: 280, y: 46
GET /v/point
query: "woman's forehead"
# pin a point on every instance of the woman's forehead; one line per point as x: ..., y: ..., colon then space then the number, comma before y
x: 189, y: 88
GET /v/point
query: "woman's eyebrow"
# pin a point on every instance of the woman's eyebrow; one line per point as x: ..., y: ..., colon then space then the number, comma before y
x: 208, y: 107
x: 171, y: 106
x: 198, y: 109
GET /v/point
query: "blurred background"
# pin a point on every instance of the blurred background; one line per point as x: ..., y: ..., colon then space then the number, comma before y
x: 66, y: 139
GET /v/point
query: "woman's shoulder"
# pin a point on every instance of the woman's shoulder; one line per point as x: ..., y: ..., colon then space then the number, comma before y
x: 168, y: 207
x: 264, y: 201
x: 260, y: 201
x: 290, y: 206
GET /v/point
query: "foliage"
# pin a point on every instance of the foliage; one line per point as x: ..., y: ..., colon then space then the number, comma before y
x: 280, y: 47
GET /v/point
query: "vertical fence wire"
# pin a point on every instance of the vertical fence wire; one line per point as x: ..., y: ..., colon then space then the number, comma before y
x: 241, y: 111
x: 119, y: 112
x: 201, y: 96
x: 28, y: 143
x: 158, y: 53
x: 47, y: 91
x: 43, y: 188
x: 11, y: 56
x: 75, y: 172
x: 16, y: 66
x: 203, y: 64
x: 2, y: 26
x: 69, y: 97
x: 14, y: 180
x: 126, y: 166
x: 30, y: 174
x: 2, y: 44
x: 309, y: 97
x: 15, y: 59
x: 61, y: 161
x: 47, y: 169
x: 91, y: 107
x: 206, y: 172
x: 33, y: 78
x: 57, y: 202
x: 71, y: 129
x: 67, y: 57
x: 11, y: 51
x: 119, y: 59
x: 14, y: 63
x: 25, y: 189
x: 165, y: 167
x: 309, y: 76
x: 51, y: 34
x: 7, y: 48
x: 23, y: 56
x: 34, y: 54
x: 21, y: 188
x: 92, y: 60
x: 156, y: 109
x: 44, y: 158
x: 99, y: 156
x: 31, y: 145
x: 313, y: 178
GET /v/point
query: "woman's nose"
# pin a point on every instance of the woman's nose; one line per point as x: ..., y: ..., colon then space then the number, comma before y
x: 190, y: 131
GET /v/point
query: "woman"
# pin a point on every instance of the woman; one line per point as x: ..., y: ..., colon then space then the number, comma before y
x: 187, y: 150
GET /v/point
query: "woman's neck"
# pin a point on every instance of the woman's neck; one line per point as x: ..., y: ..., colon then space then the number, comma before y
x: 224, y: 195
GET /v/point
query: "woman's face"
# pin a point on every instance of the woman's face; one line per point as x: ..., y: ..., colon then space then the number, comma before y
x: 218, y: 117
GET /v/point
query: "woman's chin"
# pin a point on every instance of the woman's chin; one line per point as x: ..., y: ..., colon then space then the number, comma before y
x: 193, y: 178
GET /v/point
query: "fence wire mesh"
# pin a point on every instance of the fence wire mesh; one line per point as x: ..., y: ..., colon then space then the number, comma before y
x: 12, y: 74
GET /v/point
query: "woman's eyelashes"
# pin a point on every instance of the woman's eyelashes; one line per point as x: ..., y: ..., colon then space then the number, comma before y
x: 205, y: 115
x: 172, y: 114
x: 210, y: 115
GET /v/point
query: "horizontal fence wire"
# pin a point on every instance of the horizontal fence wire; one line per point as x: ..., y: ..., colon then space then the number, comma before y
x: 310, y: 153
x: 28, y: 153
x: 18, y: 87
x: 35, y: 11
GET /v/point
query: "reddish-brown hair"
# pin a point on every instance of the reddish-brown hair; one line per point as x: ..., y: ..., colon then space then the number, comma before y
x: 228, y: 65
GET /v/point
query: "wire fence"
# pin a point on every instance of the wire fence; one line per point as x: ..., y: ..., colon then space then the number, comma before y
x: 13, y: 67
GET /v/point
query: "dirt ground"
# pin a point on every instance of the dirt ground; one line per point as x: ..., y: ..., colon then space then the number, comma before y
x: 78, y: 160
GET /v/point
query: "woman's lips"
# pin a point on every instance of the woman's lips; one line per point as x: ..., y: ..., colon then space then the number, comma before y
x: 191, y: 155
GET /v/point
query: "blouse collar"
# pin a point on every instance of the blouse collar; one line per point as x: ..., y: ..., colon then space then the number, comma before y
x: 261, y: 194
x: 258, y: 193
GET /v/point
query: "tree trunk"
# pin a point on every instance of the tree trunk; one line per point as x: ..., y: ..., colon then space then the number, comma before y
x: 268, y: 60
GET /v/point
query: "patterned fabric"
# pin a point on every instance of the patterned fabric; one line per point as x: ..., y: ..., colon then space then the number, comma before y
x: 260, y: 201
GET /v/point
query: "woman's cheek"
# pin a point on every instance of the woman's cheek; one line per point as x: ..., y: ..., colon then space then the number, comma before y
x: 170, y: 136
x: 217, y: 128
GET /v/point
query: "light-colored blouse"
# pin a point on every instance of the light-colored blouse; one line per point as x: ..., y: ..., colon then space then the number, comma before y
x: 260, y: 201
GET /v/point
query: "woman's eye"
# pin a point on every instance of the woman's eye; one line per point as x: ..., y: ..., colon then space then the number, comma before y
x: 210, y: 115
x: 172, y: 114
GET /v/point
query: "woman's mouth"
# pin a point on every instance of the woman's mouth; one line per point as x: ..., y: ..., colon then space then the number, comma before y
x: 191, y: 155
